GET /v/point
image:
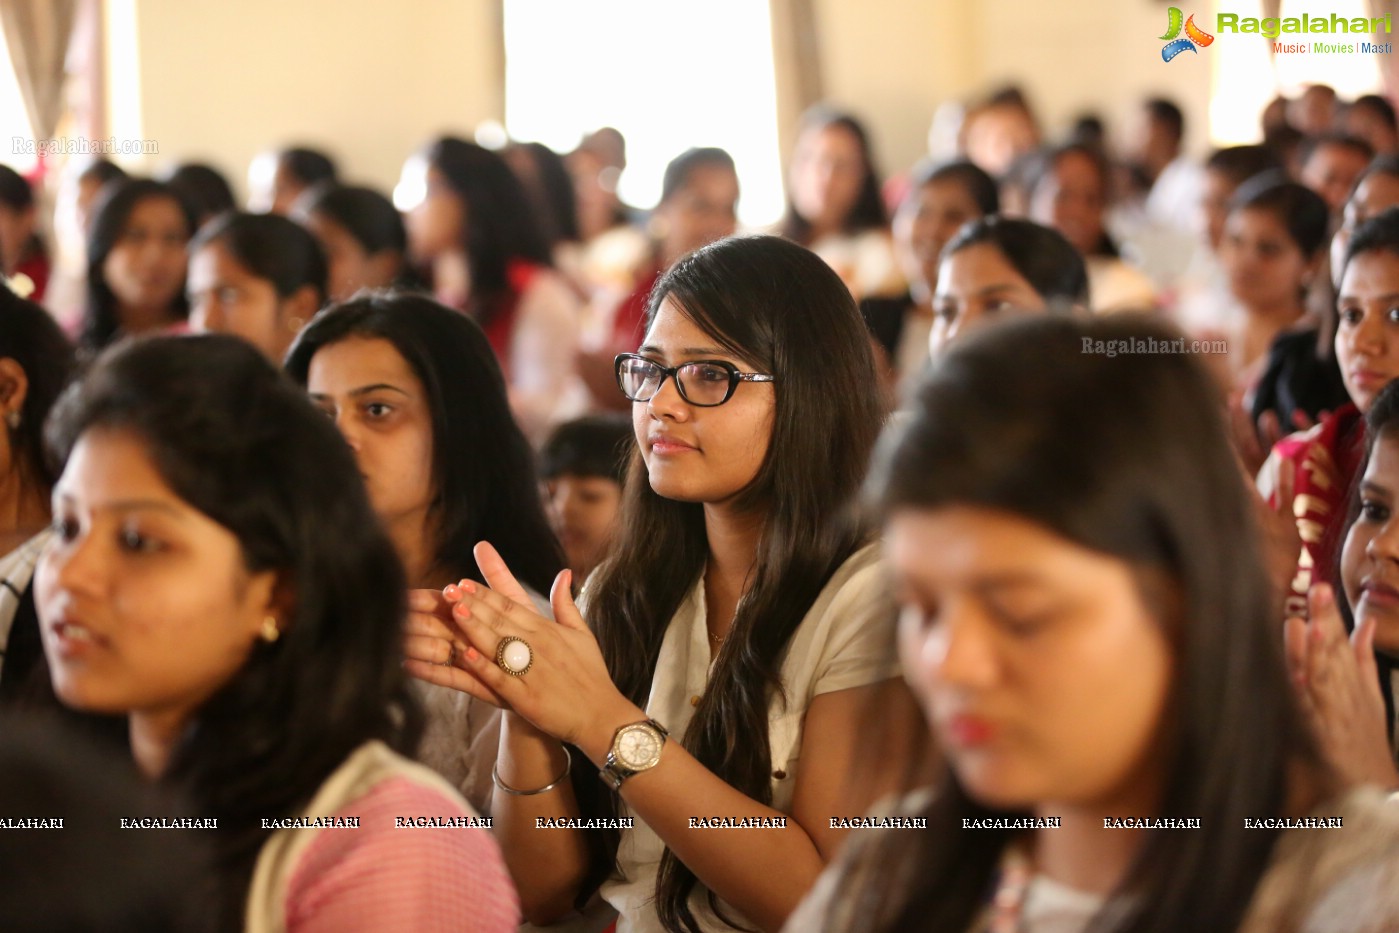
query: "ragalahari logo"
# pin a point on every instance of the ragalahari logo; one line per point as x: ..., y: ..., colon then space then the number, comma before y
x: 1194, y: 35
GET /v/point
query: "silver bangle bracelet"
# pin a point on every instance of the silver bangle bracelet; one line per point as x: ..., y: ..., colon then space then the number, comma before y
x: 568, y: 766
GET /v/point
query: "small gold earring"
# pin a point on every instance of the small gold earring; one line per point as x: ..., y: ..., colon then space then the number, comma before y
x: 269, y: 631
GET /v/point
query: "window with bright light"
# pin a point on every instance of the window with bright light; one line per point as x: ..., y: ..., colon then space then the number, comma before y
x: 669, y: 75
x: 14, y: 121
x: 1245, y: 79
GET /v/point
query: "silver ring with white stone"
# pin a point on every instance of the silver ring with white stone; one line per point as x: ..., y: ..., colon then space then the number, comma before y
x: 514, y: 656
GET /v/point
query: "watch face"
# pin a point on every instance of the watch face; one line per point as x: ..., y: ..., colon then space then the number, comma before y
x: 639, y: 747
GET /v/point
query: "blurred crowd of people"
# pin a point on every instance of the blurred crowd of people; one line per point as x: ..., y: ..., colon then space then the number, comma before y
x: 490, y: 551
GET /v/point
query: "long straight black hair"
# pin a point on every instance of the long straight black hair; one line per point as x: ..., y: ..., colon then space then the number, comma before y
x: 483, y: 470
x: 1128, y: 456
x: 868, y: 212
x: 109, y: 217
x: 240, y: 443
x: 778, y: 307
x: 500, y: 226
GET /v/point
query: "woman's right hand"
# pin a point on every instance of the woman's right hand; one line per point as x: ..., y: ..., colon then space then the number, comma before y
x: 433, y: 648
x: 1337, y: 683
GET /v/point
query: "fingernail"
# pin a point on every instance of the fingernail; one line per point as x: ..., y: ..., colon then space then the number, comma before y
x: 1323, y: 595
x: 452, y: 591
x: 460, y: 611
x: 472, y: 654
x: 468, y: 586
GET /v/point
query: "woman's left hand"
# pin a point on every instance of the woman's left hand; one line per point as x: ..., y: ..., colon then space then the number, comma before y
x: 566, y: 690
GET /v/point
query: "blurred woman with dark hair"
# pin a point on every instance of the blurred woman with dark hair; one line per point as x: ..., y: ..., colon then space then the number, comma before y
x: 470, y: 222
x: 36, y: 361
x: 1092, y: 639
x: 362, y: 236
x: 136, y: 256
x: 834, y: 207
x: 256, y: 276
x: 1069, y: 188
x: 218, y: 576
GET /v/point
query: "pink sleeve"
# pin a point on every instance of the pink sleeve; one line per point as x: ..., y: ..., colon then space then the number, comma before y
x: 378, y: 877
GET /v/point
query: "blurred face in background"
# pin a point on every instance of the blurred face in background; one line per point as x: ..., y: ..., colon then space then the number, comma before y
x: 1375, y: 192
x: 350, y: 267
x: 146, y: 268
x: 583, y: 512
x: 1072, y: 198
x: 1331, y: 171
x: 1214, y: 206
x: 977, y: 286
x: 828, y: 170
x: 1267, y: 269
x: 594, y: 190
x: 702, y: 210
x: 924, y: 223
x: 16, y: 229
x: 434, y: 214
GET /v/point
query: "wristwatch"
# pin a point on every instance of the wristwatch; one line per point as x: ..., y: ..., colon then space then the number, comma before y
x: 635, y: 748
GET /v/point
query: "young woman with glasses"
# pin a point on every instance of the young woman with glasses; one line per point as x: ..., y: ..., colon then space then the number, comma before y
x: 724, y: 650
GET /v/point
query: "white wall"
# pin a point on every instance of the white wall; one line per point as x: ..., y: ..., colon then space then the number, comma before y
x: 367, y: 80
x: 895, y: 60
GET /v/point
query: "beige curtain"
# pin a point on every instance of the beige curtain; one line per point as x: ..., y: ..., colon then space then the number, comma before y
x: 36, y: 32
x: 796, y: 60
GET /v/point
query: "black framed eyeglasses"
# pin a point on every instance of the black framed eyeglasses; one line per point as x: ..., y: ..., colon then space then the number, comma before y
x: 704, y: 383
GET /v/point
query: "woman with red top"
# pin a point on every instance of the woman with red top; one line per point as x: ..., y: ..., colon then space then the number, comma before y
x: 470, y: 222
x: 1309, y: 475
x: 699, y: 204
x: 23, y: 258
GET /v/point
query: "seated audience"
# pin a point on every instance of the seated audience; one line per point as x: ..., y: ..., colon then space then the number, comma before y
x: 1309, y: 476
x: 1331, y: 165
x: 584, y: 466
x: 544, y: 175
x: 998, y: 268
x: 1068, y: 189
x: 699, y: 204
x: 36, y: 361
x: 613, y: 250
x: 1370, y: 117
x: 136, y: 256
x: 1087, y: 625
x: 1274, y: 238
x: 277, y: 178
x: 416, y: 393
x: 834, y: 206
x: 255, y: 276
x: 999, y: 130
x: 204, y: 188
x: 218, y: 576
x: 24, y: 260
x: 1204, y: 301
x: 941, y: 199
x: 469, y: 220
x: 1376, y: 189
x: 1348, y: 686
x: 361, y: 235
x: 731, y: 637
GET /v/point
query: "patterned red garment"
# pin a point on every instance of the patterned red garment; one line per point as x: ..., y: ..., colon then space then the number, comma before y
x: 1325, y: 460
x: 379, y: 877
